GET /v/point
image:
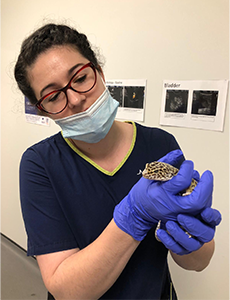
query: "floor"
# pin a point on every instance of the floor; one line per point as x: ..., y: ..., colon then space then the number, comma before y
x: 20, y: 276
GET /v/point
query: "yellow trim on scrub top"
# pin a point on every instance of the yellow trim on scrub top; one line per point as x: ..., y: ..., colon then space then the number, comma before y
x: 96, y: 165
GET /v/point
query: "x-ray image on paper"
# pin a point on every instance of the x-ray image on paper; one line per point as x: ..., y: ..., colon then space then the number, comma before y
x: 204, y: 103
x: 176, y: 101
x: 134, y: 96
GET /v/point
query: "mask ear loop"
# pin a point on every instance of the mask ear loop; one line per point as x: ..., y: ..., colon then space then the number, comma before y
x: 103, y: 81
x: 101, y: 74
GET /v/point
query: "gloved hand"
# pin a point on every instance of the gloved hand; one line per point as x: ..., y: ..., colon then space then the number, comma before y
x: 172, y: 157
x: 150, y: 201
x: 202, y: 230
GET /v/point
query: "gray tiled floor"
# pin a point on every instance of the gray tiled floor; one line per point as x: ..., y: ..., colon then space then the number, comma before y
x: 20, y: 276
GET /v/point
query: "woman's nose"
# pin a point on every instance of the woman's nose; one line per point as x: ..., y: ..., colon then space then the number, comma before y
x: 74, y: 98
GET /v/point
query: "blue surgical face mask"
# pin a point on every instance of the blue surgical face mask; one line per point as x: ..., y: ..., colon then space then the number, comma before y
x: 92, y: 125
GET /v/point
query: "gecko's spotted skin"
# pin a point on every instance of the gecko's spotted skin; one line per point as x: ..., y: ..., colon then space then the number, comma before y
x: 160, y: 171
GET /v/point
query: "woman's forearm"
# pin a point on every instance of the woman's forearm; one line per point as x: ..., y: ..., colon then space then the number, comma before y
x: 90, y: 272
x: 197, y: 260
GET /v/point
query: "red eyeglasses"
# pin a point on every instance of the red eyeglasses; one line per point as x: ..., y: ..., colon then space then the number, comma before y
x: 82, y: 82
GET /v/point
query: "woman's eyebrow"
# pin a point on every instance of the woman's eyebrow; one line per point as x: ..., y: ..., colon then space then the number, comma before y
x: 46, y: 87
x: 70, y: 71
x: 75, y: 67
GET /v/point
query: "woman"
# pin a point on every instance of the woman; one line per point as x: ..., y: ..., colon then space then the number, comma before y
x: 90, y: 218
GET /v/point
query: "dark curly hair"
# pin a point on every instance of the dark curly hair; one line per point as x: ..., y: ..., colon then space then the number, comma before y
x: 41, y: 40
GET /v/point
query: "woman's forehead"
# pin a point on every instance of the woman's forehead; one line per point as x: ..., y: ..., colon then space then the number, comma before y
x: 59, y: 53
x: 54, y: 65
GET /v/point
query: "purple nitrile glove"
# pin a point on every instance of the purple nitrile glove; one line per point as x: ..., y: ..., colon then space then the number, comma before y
x: 150, y: 201
x: 201, y: 230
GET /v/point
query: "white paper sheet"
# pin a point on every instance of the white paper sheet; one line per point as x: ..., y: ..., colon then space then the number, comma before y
x: 194, y: 104
x: 131, y: 97
x: 32, y: 115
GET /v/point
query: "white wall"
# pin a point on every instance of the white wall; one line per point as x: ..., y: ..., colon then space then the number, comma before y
x: 153, y: 39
